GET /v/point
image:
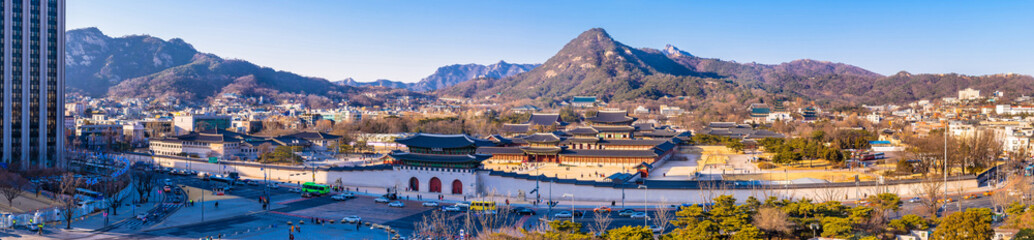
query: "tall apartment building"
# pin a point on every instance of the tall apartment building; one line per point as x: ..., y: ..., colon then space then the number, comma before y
x: 33, y: 44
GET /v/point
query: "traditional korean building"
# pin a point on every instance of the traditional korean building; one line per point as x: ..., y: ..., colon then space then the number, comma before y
x: 432, y: 159
x: 537, y: 122
x: 437, y: 150
x: 613, y: 124
x: 609, y: 139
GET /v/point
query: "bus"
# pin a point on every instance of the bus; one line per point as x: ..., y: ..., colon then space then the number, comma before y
x: 313, y: 188
x: 482, y: 206
x: 222, y: 179
x: 86, y: 194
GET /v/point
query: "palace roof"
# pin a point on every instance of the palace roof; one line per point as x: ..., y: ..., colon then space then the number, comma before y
x: 611, y: 117
x: 427, y: 140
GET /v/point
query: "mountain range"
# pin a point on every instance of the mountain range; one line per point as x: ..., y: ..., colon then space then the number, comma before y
x: 450, y: 75
x: 141, y: 66
x: 595, y: 64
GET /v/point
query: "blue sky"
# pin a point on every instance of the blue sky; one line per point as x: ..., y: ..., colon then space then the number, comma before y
x: 408, y: 40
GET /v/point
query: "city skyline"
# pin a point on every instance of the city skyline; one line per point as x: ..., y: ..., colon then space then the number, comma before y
x: 409, y: 41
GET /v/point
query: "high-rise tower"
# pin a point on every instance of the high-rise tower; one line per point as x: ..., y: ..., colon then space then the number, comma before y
x: 33, y: 44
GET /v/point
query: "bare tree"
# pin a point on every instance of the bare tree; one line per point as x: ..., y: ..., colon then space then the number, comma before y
x: 930, y: 191
x: 435, y: 225
x: 663, y: 215
x: 829, y: 193
x: 773, y: 221
x: 66, y: 192
x: 12, y: 186
x: 111, y: 188
x: 600, y: 223
x: 144, y: 179
x: 491, y: 222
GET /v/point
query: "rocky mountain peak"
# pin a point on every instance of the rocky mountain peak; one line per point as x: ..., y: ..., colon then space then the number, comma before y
x: 673, y: 51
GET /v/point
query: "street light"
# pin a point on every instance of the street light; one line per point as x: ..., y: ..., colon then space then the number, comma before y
x: 646, y: 208
x: 572, y: 204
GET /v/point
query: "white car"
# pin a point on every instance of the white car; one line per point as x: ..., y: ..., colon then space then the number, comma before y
x: 381, y: 200
x: 294, y: 190
x: 452, y: 209
x: 640, y: 215
x: 351, y: 219
x: 656, y: 229
x: 430, y: 204
x: 563, y: 214
x: 273, y: 185
x: 462, y: 205
x: 348, y: 195
x: 397, y: 204
x: 339, y: 197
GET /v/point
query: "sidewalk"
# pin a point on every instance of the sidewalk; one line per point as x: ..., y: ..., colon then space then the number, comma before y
x: 95, y: 221
x: 229, y: 206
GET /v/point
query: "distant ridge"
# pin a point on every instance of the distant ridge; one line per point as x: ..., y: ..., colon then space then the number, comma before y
x: 594, y: 64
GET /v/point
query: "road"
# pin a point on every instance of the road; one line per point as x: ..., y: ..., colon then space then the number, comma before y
x: 287, y: 206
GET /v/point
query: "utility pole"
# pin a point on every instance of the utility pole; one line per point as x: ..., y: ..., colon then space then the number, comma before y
x: 946, y: 127
x: 646, y: 208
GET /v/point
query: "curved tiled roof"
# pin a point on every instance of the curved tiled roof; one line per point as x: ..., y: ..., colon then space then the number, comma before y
x: 583, y: 131
x: 428, y: 140
x: 438, y: 158
x: 611, y: 117
x: 542, y: 138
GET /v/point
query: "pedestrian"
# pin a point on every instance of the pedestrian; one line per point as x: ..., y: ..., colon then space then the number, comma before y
x: 357, y: 224
x: 216, y: 204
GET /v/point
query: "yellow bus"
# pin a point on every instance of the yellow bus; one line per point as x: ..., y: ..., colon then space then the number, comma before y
x: 482, y: 206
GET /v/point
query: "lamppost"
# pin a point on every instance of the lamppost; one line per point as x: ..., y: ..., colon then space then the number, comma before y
x: 646, y: 208
x: 572, y: 204
x: 814, y: 227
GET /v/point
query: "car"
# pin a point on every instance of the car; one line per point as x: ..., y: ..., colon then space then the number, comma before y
x: 626, y: 212
x: 452, y: 209
x: 639, y: 215
x: 168, y: 181
x: 167, y: 188
x: 351, y: 219
x: 381, y: 200
x: 578, y: 213
x: 253, y: 183
x: 915, y: 200
x: 348, y: 195
x: 989, y: 193
x: 273, y: 185
x: 601, y: 209
x: 397, y: 204
x: 142, y: 216
x: 462, y: 205
x: 656, y: 229
x: 563, y: 214
x: 294, y: 190
x: 971, y: 196
x: 339, y: 197
x: 943, y: 200
x: 430, y: 204
x: 523, y: 211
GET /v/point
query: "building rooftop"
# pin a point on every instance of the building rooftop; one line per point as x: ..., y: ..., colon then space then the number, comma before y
x: 612, y: 117
x: 427, y: 140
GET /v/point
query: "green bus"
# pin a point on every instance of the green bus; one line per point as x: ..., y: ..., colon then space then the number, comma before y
x: 313, y: 188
